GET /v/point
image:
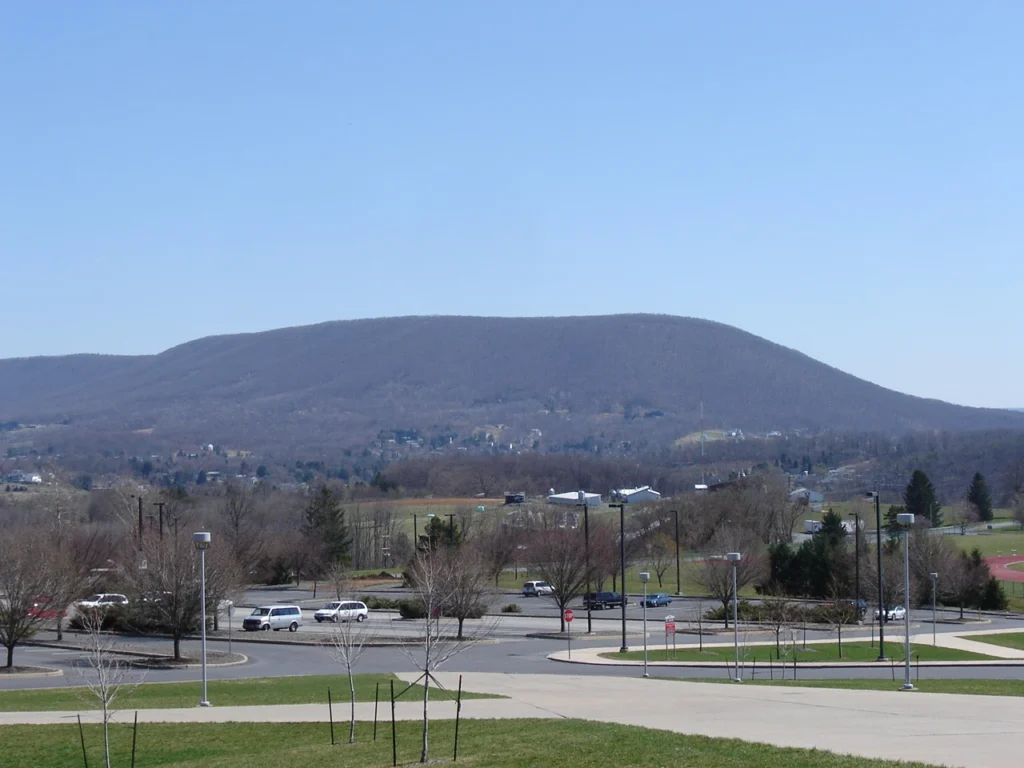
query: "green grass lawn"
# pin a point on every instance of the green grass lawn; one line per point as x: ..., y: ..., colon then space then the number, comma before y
x: 1001, y: 541
x: 974, y: 687
x: 261, y: 690
x: 482, y: 744
x: 1007, y: 640
x: 1016, y: 566
x: 854, y: 651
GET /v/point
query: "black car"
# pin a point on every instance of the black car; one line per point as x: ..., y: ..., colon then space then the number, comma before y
x: 601, y: 600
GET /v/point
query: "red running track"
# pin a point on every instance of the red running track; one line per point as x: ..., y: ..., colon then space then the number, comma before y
x: 1000, y: 569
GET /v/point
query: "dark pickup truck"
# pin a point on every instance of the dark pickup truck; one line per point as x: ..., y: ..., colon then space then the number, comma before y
x: 601, y: 600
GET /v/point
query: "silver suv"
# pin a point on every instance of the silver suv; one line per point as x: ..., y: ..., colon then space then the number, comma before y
x: 342, y: 610
x: 275, y: 617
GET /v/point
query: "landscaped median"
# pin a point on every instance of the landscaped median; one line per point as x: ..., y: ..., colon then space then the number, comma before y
x: 1002, y: 639
x: 223, y: 693
x: 813, y: 652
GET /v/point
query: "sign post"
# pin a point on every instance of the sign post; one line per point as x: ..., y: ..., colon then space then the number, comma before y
x: 670, y: 631
x: 568, y: 616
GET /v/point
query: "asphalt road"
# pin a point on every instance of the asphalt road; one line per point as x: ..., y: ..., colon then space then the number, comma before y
x: 509, y: 652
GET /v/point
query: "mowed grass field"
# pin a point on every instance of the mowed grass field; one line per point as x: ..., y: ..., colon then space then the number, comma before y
x: 816, y: 652
x: 263, y: 690
x: 482, y: 744
x: 1000, y: 541
x: 1007, y: 640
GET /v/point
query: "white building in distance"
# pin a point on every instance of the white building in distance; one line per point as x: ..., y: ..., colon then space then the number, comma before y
x: 574, y: 498
x: 637, y: 495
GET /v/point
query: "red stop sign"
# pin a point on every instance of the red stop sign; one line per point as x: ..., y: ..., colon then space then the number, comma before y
x: 568, y: 614
x: 670, y: 626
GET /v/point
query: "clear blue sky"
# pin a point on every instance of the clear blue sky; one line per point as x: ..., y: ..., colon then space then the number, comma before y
x: 842, y: 178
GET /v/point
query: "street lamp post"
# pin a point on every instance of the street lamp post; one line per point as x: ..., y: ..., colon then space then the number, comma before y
x: 202, y: 540
x: 906, y: 519
x: 856, y: 555
x: 645, y: 576
x: 734, y: 558
x: 881, y: 587
x: 582, y: 498
x: 679, y: 580
x: 935, y: 580
x: 622, y: 562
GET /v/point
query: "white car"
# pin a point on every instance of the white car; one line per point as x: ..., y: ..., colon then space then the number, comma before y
x: 342, y: 610
x: 896, y: 613
x: 102, y: 600
x: 537, y: 589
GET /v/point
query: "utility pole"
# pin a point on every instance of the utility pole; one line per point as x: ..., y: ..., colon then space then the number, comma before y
x: 622, y: 562
x: 881, y: 587
x: 451, y: 529
x: 160, y: 505
x: 582, y: 497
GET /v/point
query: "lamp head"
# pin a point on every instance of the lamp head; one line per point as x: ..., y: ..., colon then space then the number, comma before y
x: 734, y: 557
x: 581, y: 497
x: 905, y: 518
x: 934, y: 576
x: 645, y: 576
x: 201, y: 539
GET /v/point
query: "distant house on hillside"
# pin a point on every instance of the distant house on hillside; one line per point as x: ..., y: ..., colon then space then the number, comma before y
x: 807, y: 497
x: 25, y: 478
x: 637, y: 495
x: 515, y: 498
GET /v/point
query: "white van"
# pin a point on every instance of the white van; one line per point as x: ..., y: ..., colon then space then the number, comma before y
x: 275, y: 617
x: 536, y: 589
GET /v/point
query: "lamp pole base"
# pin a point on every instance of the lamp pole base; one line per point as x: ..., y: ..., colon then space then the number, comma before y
x: 205, y: 704
x: 908, y: 687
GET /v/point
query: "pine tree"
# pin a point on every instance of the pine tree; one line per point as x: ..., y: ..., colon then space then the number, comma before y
x: 978, y: 495
x: 919, y: 499
x: 325, y: 522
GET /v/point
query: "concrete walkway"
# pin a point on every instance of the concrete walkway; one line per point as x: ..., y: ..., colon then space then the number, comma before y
x: 941, y: 729
x: 960, y: 641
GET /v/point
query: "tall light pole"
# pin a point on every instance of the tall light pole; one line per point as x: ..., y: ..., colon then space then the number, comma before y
x: 734, y: 558
x: 856, y: 555
x: 935, y: 580
x: 906, y: 519
x: 202, y: 540
x: 622, y: 562
x: 645, y: 576
x: 881, y: 587
x: 679, y: 580
x: 582, y: 498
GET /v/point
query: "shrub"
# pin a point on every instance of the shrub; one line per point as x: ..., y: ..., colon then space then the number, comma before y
x: 380, y: 603
x: 412, y: 609
x: 511, y: 608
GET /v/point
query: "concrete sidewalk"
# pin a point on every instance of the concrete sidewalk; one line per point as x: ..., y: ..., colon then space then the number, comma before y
x: 942, y: 729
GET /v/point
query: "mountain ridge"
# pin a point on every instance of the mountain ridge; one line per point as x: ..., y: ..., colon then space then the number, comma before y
x: 610, y: 378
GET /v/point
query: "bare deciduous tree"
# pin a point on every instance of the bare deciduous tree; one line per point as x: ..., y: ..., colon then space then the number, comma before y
x: 560, y: 559
x: 963, y: 514
x: 661, y: 554
x: 715, y: 572
x: 105, y: 674
x: 346, y: 643
x: 434, y: 585
x: 32, y: 582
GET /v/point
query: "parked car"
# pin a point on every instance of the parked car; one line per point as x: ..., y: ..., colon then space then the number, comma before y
x: 536, y: 589
x: 43, y: 608
x: 342, y: 610
x: 896, y: 613
x: 275, y: 617
x: 102, y: 600
x: 602, y: 600
x: 658, y: 599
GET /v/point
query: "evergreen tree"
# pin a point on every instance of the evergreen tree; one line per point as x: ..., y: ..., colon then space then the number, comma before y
x: 325, y: 522
x: 919, y: 499
x: 440, y: 533
x: 978, y: 494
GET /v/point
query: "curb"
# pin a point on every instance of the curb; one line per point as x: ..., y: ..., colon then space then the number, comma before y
x: 138, y: 654
x: 49, y: 672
